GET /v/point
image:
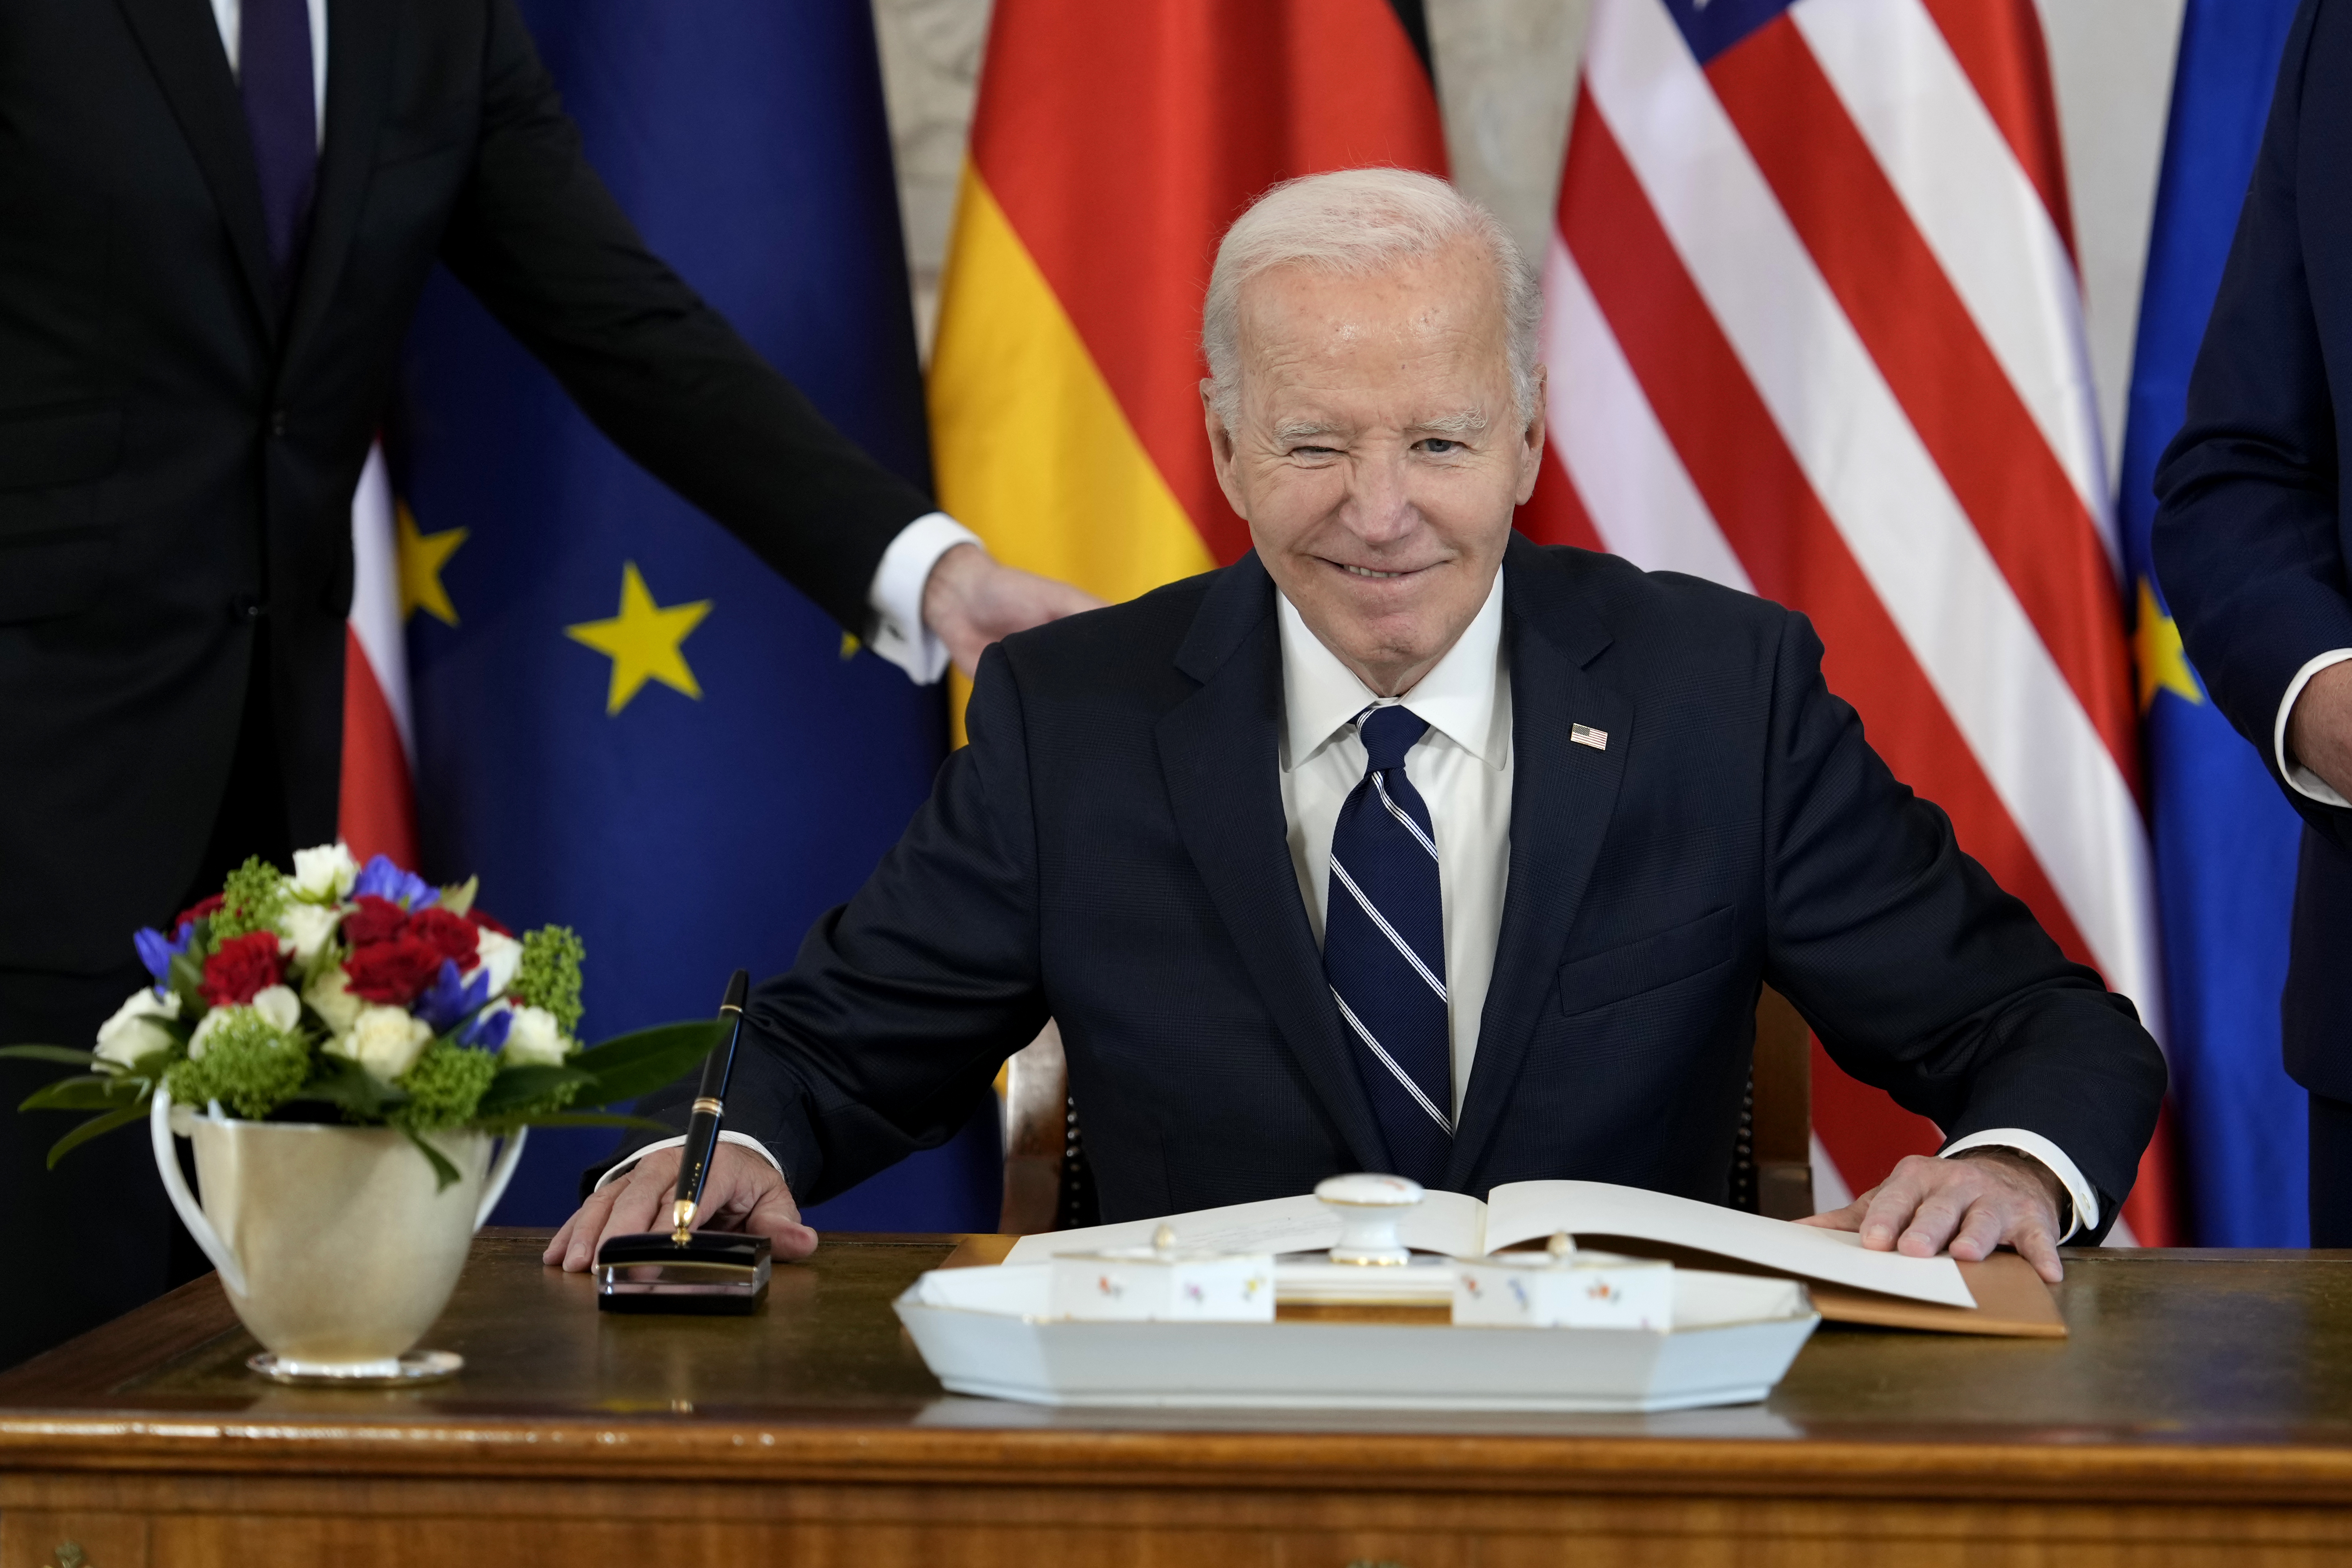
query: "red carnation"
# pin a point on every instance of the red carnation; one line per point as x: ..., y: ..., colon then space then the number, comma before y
x: 486, y: 921
x: 376, y: 919
x: 241, y: 968
x: 208, y: 907
x: 392, y: 973
x: 445, y: 933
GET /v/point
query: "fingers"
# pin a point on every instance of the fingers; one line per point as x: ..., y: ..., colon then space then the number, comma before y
x: 1846, y: 1218
x: 742, y: 1191
x: 575, y: 1245
x: 1969, y: 1208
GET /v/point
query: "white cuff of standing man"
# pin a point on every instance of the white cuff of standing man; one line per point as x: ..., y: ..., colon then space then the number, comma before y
x: 896, y: 595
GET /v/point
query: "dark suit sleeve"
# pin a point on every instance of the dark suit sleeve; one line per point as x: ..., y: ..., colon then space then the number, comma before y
x: 1921, y: 976
x: 885, y: 1034
x: 2246, y: 536
x: 539, y: 239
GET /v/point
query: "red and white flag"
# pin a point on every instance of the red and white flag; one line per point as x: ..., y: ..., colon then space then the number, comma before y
x: 1815, y: 329
x: 378, y: 805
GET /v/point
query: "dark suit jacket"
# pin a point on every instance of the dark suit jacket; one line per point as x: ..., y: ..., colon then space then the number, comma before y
x: 177, y: 453
x: 2253, y: 531
x: 1110, y: 851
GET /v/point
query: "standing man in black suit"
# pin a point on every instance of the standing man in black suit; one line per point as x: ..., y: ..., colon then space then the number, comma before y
x: 215, y: 217
x: 2253, y: 535
x: 1404, y: 844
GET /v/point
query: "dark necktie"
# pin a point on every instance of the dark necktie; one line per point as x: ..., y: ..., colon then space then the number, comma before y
x: 1384, y: 950
x: 273, y: 68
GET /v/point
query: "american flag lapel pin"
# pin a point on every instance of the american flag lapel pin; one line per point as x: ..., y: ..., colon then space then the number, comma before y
x: 1586, y: 735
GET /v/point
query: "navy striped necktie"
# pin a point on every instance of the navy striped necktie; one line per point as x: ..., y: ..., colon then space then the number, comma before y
x: 1384, y: 950
x: 281, y: 115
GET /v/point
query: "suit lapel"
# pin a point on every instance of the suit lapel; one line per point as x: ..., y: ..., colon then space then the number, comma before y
x: 1219, y: 750
x: 358, y: 79
x: 1561, y: 796
x: 183, y: 47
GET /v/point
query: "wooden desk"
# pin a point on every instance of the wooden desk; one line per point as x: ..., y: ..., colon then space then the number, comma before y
x: 2202, y: 1412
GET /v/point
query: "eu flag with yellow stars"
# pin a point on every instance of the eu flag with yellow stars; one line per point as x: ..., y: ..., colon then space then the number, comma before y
x: 2224, y: 840
x: 624, y: 722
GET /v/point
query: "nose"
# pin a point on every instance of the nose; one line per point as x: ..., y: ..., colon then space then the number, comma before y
x: 1378, y: 511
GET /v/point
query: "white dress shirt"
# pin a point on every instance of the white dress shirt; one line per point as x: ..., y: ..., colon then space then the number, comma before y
x: 1462, y: 767
x: 896, y: 594
x: 2305, y: 781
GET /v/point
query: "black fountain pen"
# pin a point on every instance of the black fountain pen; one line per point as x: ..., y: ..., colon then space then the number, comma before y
x: 683, y: 1270
x: 710, y: 1111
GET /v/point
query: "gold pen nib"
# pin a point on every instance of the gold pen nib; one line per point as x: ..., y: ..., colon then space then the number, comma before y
x: 681, y: 1218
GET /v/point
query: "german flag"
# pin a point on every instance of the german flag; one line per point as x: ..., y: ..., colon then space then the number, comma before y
x: 1112, y: 145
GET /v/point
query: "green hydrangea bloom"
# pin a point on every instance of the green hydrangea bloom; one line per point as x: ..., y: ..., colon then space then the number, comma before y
x: 251, y: 901
x: 443, y: 1088
x: 549, y: 973
x: 249, y: 1064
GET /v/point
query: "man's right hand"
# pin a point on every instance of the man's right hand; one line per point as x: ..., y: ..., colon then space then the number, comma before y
x: 742, y: 1193
x: 2320, y: 727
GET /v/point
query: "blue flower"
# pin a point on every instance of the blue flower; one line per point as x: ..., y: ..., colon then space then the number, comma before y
x: 448, y: 998
x: 386, y: 881
x: 487, y: 1032
x: 157, y: 951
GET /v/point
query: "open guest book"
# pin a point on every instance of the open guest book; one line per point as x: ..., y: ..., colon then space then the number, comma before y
x: 2001, y: 1295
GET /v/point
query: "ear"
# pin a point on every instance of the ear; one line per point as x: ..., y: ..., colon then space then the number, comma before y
x: 1221, y: 450
x: 1531, y: 439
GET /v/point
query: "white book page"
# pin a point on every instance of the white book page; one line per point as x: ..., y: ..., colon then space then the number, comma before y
x: 1444, y: 1222
x: 1523, y: 1210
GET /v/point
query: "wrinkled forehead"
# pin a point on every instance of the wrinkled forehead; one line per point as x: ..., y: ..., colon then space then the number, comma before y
x: 1427, y: 331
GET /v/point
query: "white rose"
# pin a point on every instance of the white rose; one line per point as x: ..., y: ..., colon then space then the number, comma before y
x: 279, y: 1006
x: 384, y: 1040
x: 208, y: 1026
x: 498, y: 956
x: 130, y: 1034
x: 331, y: 1000
x: 326, y: 872
x: 534, y: 1040
x: 303, y: 929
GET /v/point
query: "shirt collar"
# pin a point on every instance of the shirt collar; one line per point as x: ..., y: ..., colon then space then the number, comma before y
x: 1322, y: 695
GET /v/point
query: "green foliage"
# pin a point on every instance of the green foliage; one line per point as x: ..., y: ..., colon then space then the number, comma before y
x: 251, y: 901
x: 629, y: 1065
x: 248, y: 1064
x: 52, y: 1053
x: 549, y: 973
x: 444, y: 1088
x: 520, y: 1095
x: 347, y: 1087
x: 445, y: 1174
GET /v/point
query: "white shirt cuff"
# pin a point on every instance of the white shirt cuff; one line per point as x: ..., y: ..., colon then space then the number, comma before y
x: 2052, y: 1158
x: 896, y: 595
x: 2305, y: 781
x: 625, y: 1166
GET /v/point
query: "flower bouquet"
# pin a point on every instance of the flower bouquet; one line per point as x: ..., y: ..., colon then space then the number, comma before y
x: 305, y: 1032
x: 359, y: 995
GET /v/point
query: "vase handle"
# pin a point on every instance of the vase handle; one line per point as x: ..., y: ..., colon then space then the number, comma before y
x: 192, y: 1214
x: 495, y: 1187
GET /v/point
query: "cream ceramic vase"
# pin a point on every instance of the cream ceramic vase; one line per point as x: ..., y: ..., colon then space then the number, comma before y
x: 335, y: 1247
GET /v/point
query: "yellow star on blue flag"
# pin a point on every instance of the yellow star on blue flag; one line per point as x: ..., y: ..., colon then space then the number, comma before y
x: 2156, y: 649
x: 642, y: 641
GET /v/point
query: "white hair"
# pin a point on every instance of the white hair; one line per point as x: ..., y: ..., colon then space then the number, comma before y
x: 1359, y: 223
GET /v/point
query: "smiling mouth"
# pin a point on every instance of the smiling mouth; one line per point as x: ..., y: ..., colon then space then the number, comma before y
x: 1368, y: 572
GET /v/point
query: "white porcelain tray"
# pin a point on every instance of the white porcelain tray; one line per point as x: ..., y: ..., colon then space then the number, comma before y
x: 983, y: 1331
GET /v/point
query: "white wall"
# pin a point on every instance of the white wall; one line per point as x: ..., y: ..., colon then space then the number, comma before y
x: 1506, y: 75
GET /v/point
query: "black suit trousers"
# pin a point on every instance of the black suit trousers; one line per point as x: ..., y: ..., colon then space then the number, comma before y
x: 96, y: 1236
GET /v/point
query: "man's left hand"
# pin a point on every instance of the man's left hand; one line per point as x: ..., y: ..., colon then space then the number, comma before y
x: 1972, y: 1202
x: 971, y: 600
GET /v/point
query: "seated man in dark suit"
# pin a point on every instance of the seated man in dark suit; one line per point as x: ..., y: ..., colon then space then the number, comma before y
x: 1402, y: 844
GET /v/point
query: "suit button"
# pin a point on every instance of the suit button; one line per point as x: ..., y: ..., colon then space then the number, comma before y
x: 247, y: 607
x: 278, y: 422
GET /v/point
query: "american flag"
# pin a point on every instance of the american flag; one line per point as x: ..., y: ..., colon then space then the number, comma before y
x: 1813, y: 324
